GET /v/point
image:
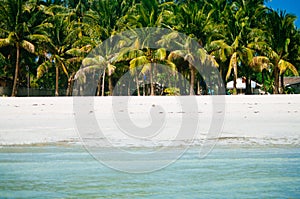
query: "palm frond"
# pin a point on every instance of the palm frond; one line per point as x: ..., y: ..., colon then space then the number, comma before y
x: 43, y: 68
x: 137, y: 62
x: 74, y: 52
x: 60, y: 62
x: 232, y: 66
x: 202, y: 55
x: 39, y: 37
x: 146, y: 68
x: 111, y: 69
x: 284, y: 65
x: 176, y: 54
x: 98, y: 61
x: 28, y: 46
x: 259, y: 63
x: 160, y: 54
x: 4, y: 42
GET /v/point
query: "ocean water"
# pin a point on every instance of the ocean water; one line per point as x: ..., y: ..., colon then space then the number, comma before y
x: 229, y: 171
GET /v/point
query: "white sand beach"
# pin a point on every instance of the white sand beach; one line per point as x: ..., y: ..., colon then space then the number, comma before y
x: 52, y: 119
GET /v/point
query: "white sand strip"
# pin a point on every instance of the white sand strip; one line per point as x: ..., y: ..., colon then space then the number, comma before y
x: 273, y: 116
x: 51, y: 119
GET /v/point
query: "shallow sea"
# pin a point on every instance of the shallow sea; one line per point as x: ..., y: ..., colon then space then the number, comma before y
x: 69, y: 171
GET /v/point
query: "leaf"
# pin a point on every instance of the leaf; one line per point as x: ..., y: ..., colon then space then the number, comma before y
x: 74, y: 52
x: 128, y: 54
x: 249, y: 55
x: 212, y: 60
x: 64, y: 69
x: 111, y: 69
x: 232, y: 66
x: 147, y: 67
x: 284, y: 65
x: 2, y: 59
x: 39, y: 37
x: 221, y: 48
x: 235, y: 44
x: 138, y: 62
x: 286, y: 44
x: 189, y: 57
x: 177, y: 54
x: 4, y: 42
x: 86, y: 48
x: 43, y: 68
x: 61, y: 64
x: 89, y: 61
x: 259, y: 63
x: 28, y: 46
x: 171, y: 65
x: 160, y: 54
x: 202, y: 55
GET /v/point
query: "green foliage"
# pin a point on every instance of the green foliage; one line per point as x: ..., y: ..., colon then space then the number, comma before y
x: 242, y: 38
x: 172, y: 91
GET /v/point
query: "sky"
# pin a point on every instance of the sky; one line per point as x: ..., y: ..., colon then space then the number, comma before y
x: 291, y: 6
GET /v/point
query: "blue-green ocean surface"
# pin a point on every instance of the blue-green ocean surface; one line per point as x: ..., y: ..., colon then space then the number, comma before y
x: 227, y: 172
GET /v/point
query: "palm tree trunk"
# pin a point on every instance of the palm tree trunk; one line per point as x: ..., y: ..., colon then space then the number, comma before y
x: 99, y: 86
x: 248, y: 86
x: 151, y: 81
x: 137, y: 84
x: 276, y: 79
x: 103, y: 80
x: 263, y: 80
x: 128, y: 89
x: 234, y: 86
x: 282, y: 83
x: 198, y: 87
x: 56, y: 80
x: 14, y: 90
x: 70, y: 85
x: 192, y: 79
x: 180, y: 85
x: 144, y: 89
x: 110, y: 86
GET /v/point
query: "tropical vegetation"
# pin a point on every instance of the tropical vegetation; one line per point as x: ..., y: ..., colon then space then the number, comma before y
x: 46, y: 42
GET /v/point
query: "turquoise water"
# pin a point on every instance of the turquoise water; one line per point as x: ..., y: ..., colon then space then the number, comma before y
x: 227, y: 172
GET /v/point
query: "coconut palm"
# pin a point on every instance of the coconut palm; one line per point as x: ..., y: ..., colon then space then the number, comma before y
x: 66, y: 45
x: 19, y: 22
x: 96, y: 66
x: 241, y: 40
x: 195, y: 20
x: 142, y: 59
x: 106, y: 18
x: 281, y: 27
x: 146, y: 13
x: 191, y: 56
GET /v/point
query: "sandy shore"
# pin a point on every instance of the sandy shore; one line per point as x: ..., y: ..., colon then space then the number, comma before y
x: 53, y: 119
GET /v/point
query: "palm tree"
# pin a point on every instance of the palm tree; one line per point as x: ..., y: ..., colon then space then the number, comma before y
x: 195, y: 20
x: 260, y: 64
x: 146, y: 13
x: 242, y: 38
x: 281, y: 27
x: 106, y: 17
x: 193, y: 57
x: 96, y: 65
x: 77, y: 56
x: 19, y: 20
x: 66, y: 47
x: 142, y: 59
